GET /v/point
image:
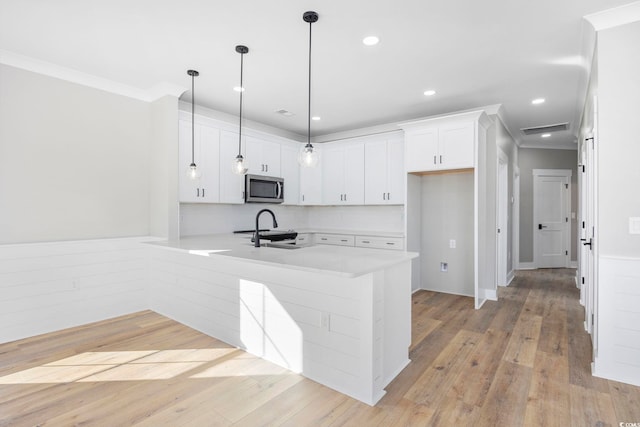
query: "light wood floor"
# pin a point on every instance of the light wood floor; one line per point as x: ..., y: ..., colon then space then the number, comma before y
x: 521, y: 361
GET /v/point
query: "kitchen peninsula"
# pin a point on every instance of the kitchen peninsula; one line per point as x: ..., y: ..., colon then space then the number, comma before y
x: 338, y: 315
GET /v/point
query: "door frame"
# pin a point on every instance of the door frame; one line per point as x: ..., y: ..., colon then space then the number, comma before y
x: 565, y: 173
x: 502, y: 213
x: 515, y: 222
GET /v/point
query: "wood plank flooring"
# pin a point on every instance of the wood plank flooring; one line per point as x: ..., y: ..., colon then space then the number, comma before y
x: 524, y: 360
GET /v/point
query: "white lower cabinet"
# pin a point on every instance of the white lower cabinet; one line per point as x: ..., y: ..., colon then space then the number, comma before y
x: 304, y: 239
x: 393, y: 243
x: 335, y: 239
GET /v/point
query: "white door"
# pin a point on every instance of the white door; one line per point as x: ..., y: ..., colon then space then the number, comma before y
x: 551, y: 217
x: 501, y: 218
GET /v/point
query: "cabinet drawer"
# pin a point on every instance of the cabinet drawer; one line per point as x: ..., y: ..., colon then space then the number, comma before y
x: 394, y: 243
x: 335, y: 239
x: 304, y: 238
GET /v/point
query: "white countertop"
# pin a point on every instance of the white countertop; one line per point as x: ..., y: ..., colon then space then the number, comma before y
x: 344, y: 261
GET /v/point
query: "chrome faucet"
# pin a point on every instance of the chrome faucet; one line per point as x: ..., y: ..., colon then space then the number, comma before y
x: 256, y: 236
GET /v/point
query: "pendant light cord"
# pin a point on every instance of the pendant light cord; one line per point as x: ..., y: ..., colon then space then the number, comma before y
x: 241, y: 90
x: 193, y: 128
x: 309, y: 103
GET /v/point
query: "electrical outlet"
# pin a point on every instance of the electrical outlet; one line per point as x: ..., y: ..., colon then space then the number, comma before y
x: 325, y: 321
x: 634, y: 225
x: 444, y: 267
x: 452, y: 244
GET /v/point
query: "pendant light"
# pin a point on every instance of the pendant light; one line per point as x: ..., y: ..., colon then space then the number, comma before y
x: 193, y: 172
x: 238, y: 166
x: 308, y: 156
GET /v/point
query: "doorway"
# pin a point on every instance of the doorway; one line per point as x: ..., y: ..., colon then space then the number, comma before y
x: 551, y: 227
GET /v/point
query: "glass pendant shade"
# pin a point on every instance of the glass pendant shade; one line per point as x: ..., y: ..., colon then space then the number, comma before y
x: 193, y: 172
x: 308, y: 156
x: 238, y: 166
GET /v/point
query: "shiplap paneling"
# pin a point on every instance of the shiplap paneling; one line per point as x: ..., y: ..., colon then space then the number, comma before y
x: 49, y: 286
x: 618, y: 320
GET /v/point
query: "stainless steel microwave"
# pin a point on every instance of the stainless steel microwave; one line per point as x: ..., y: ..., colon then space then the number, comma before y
x: 263, y: 189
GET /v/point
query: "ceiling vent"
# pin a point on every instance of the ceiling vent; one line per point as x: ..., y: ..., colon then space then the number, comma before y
x: 285, y: 113
x: 545, y: 129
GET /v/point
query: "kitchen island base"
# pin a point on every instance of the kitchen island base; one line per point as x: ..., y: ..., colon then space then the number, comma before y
x: 349, y: 332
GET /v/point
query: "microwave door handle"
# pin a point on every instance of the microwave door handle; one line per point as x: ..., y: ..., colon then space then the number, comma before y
x: 279, y: 192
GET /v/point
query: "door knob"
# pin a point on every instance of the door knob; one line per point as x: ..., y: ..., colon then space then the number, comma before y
x: 540, y: 226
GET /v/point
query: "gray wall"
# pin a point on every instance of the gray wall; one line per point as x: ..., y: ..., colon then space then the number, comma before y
x: 618, y: 140
x: 530, y: 159
x: 74, y: 161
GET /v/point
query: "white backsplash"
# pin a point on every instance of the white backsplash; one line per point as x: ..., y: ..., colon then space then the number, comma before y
x: 220, y: 218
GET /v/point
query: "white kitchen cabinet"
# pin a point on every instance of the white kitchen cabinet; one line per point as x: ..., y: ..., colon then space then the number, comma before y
x: 392, y: 243
x: 335, y: 239
x: 311, y: 181
x: 384, y: 172
x: 343, y: 174
x: 231, y: 184
x: 262, y: 157
x: 290, y: 172
x: 206, y: 145
x: 441, y: 145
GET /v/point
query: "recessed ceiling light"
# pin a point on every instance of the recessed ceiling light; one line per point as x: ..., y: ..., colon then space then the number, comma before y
x: 238, y: 89
x: 370, y: 40
x: 316, y: 118
x: 429, y: 92
x: 537, y: 101
x: 545, y: 135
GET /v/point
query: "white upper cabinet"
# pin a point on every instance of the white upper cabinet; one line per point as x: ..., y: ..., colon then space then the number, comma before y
x: 384, y: 172
x: 231, y: 184
x: 262, y: 157
x: 311, y: 181
x: 443, y: 143
x: 206, y: 156
x: 290, y: 172
x: 343, y: 173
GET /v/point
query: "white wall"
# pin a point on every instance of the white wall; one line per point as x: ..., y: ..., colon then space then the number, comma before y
x: 618, y: 251
x: 74, y: 161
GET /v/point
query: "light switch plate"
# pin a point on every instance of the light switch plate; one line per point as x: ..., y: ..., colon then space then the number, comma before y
x: 634, y: 225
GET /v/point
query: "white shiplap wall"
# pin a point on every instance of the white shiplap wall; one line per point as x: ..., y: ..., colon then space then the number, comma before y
x: 618, y: 320
x: 45, y: 287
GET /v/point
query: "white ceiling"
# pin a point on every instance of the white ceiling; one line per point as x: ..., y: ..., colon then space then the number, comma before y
x: 473, y: 53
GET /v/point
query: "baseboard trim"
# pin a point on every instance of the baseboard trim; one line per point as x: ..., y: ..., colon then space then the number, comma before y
x: 491, y: 295
x: 527, y: 266
x: 510, y: 276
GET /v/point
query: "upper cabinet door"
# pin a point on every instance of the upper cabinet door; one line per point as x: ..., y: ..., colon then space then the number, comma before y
x: 206, y: 145
x: 290, y: 172
x: 395, y: 172
x: 384, y: 172
x: 333, y: 163
x: 456, y: 145
x: 354, y: 174
x: 375, y: 173
x: 231, y: 184
x: 422, y: 150
x: 262, y: 157
x: 311, y: 181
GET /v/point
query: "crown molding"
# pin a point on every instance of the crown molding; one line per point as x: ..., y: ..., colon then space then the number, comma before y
x: 615, y: 17
x: 74, y: 76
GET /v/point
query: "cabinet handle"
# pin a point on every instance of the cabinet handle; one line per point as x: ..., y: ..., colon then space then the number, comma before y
x: 203, y: 192
x: 434, y: 160
x: 390, y: 243
x: 345, y: 197
x: 323, y: 238
x: 266, y: 168
x: 197, y: 192
x: 303, y: 197
x: 343, y: 240
x: 388, y: 196
x: 341, y: 197
x: 440, y: 158
x: 366, y: 241
x: 384, y: 196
